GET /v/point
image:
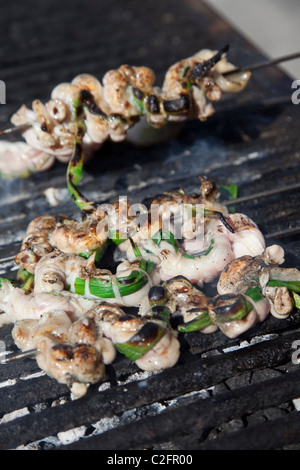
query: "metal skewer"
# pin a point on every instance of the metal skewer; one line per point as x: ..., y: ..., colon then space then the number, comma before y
x: 21, y: 127
x: 262, y: 194
x: 15, y: 129
x: 7, y: 259
x: 248, y: 68
x: 283, y: 232
x: 20, y: 355
x: 260, y: 65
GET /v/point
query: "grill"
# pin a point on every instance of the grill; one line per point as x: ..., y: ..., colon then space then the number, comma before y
x: 222, y: 394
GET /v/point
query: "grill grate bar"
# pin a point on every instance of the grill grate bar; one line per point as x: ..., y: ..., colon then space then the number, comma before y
x: 283, y: 233
x: 193, y: 420
x: 272, y: 435
x: 198, y: 373
x: 263, y: 194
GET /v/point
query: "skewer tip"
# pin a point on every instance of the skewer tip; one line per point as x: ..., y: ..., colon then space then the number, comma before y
x: 19, y: 355
x: 10, y: 130
x: 267, y: 63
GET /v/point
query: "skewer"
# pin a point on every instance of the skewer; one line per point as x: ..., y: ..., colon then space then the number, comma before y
x: 239, y: 200
x: 20, y: 355
x: 7, y: 259
x: 14, y: 129
x: 282, y: 233
x: 200, y: 70
x: 262, y: 194
x: 267, y: 63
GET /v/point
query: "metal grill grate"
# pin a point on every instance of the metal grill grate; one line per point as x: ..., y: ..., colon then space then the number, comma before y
x: 223, y: 393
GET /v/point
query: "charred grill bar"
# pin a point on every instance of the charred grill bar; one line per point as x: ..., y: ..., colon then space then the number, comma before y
x: 222, y: 393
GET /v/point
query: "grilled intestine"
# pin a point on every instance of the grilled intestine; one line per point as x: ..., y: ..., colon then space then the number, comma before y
x: 46, y: 233
x: 16, y: 304
x: 93, y: 112
x: 233, y: 314
x: 73, y: 312
x: 74, y: 354
x: 275, y: 284
x: 57, y: 272
x: 202, y: 256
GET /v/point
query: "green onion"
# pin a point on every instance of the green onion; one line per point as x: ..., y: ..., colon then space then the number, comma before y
x: 75, y: 166
x: 142, y: 341
x: 114, y: 235
x: 167, y: 236
x: 202, y: 253
x: 99, y: 252
x: 157, y: 296
x: 74, y: 176
x: 255, y: 294
x: 296, y: 298
x: 3, y: 279
x: 231, y: 308
x: 149, y: 267
x: 26, y: 280
x: 157, y: 300
x: 138, y: 103
x: 229, y: 191
x: 161, y: 313
x: 135, y: 248
x: 201, y: 321
x: 182, y: 74
x: 144, y: 265
x: 76, y: 109
x: 291, y: 285
x: 103, y: 287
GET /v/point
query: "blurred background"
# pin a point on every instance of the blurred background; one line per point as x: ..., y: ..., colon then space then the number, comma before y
x: 271, y: 25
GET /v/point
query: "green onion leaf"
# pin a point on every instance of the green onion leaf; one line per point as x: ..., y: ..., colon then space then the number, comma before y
x: 201, y: 321
x: 291, y: 285
x: 142, y: 341
x: 231, y: 308
x: 296, y: 299
x: 138, y: 103
x: 114, y: 235
x: 102, y: 287
x: 99, y: 252
x: 254, y: 293
x: 26, y: 280
x: 202, y: 253
x: 167, y: 236
x: 3, y: 279
x: 229, y: 191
